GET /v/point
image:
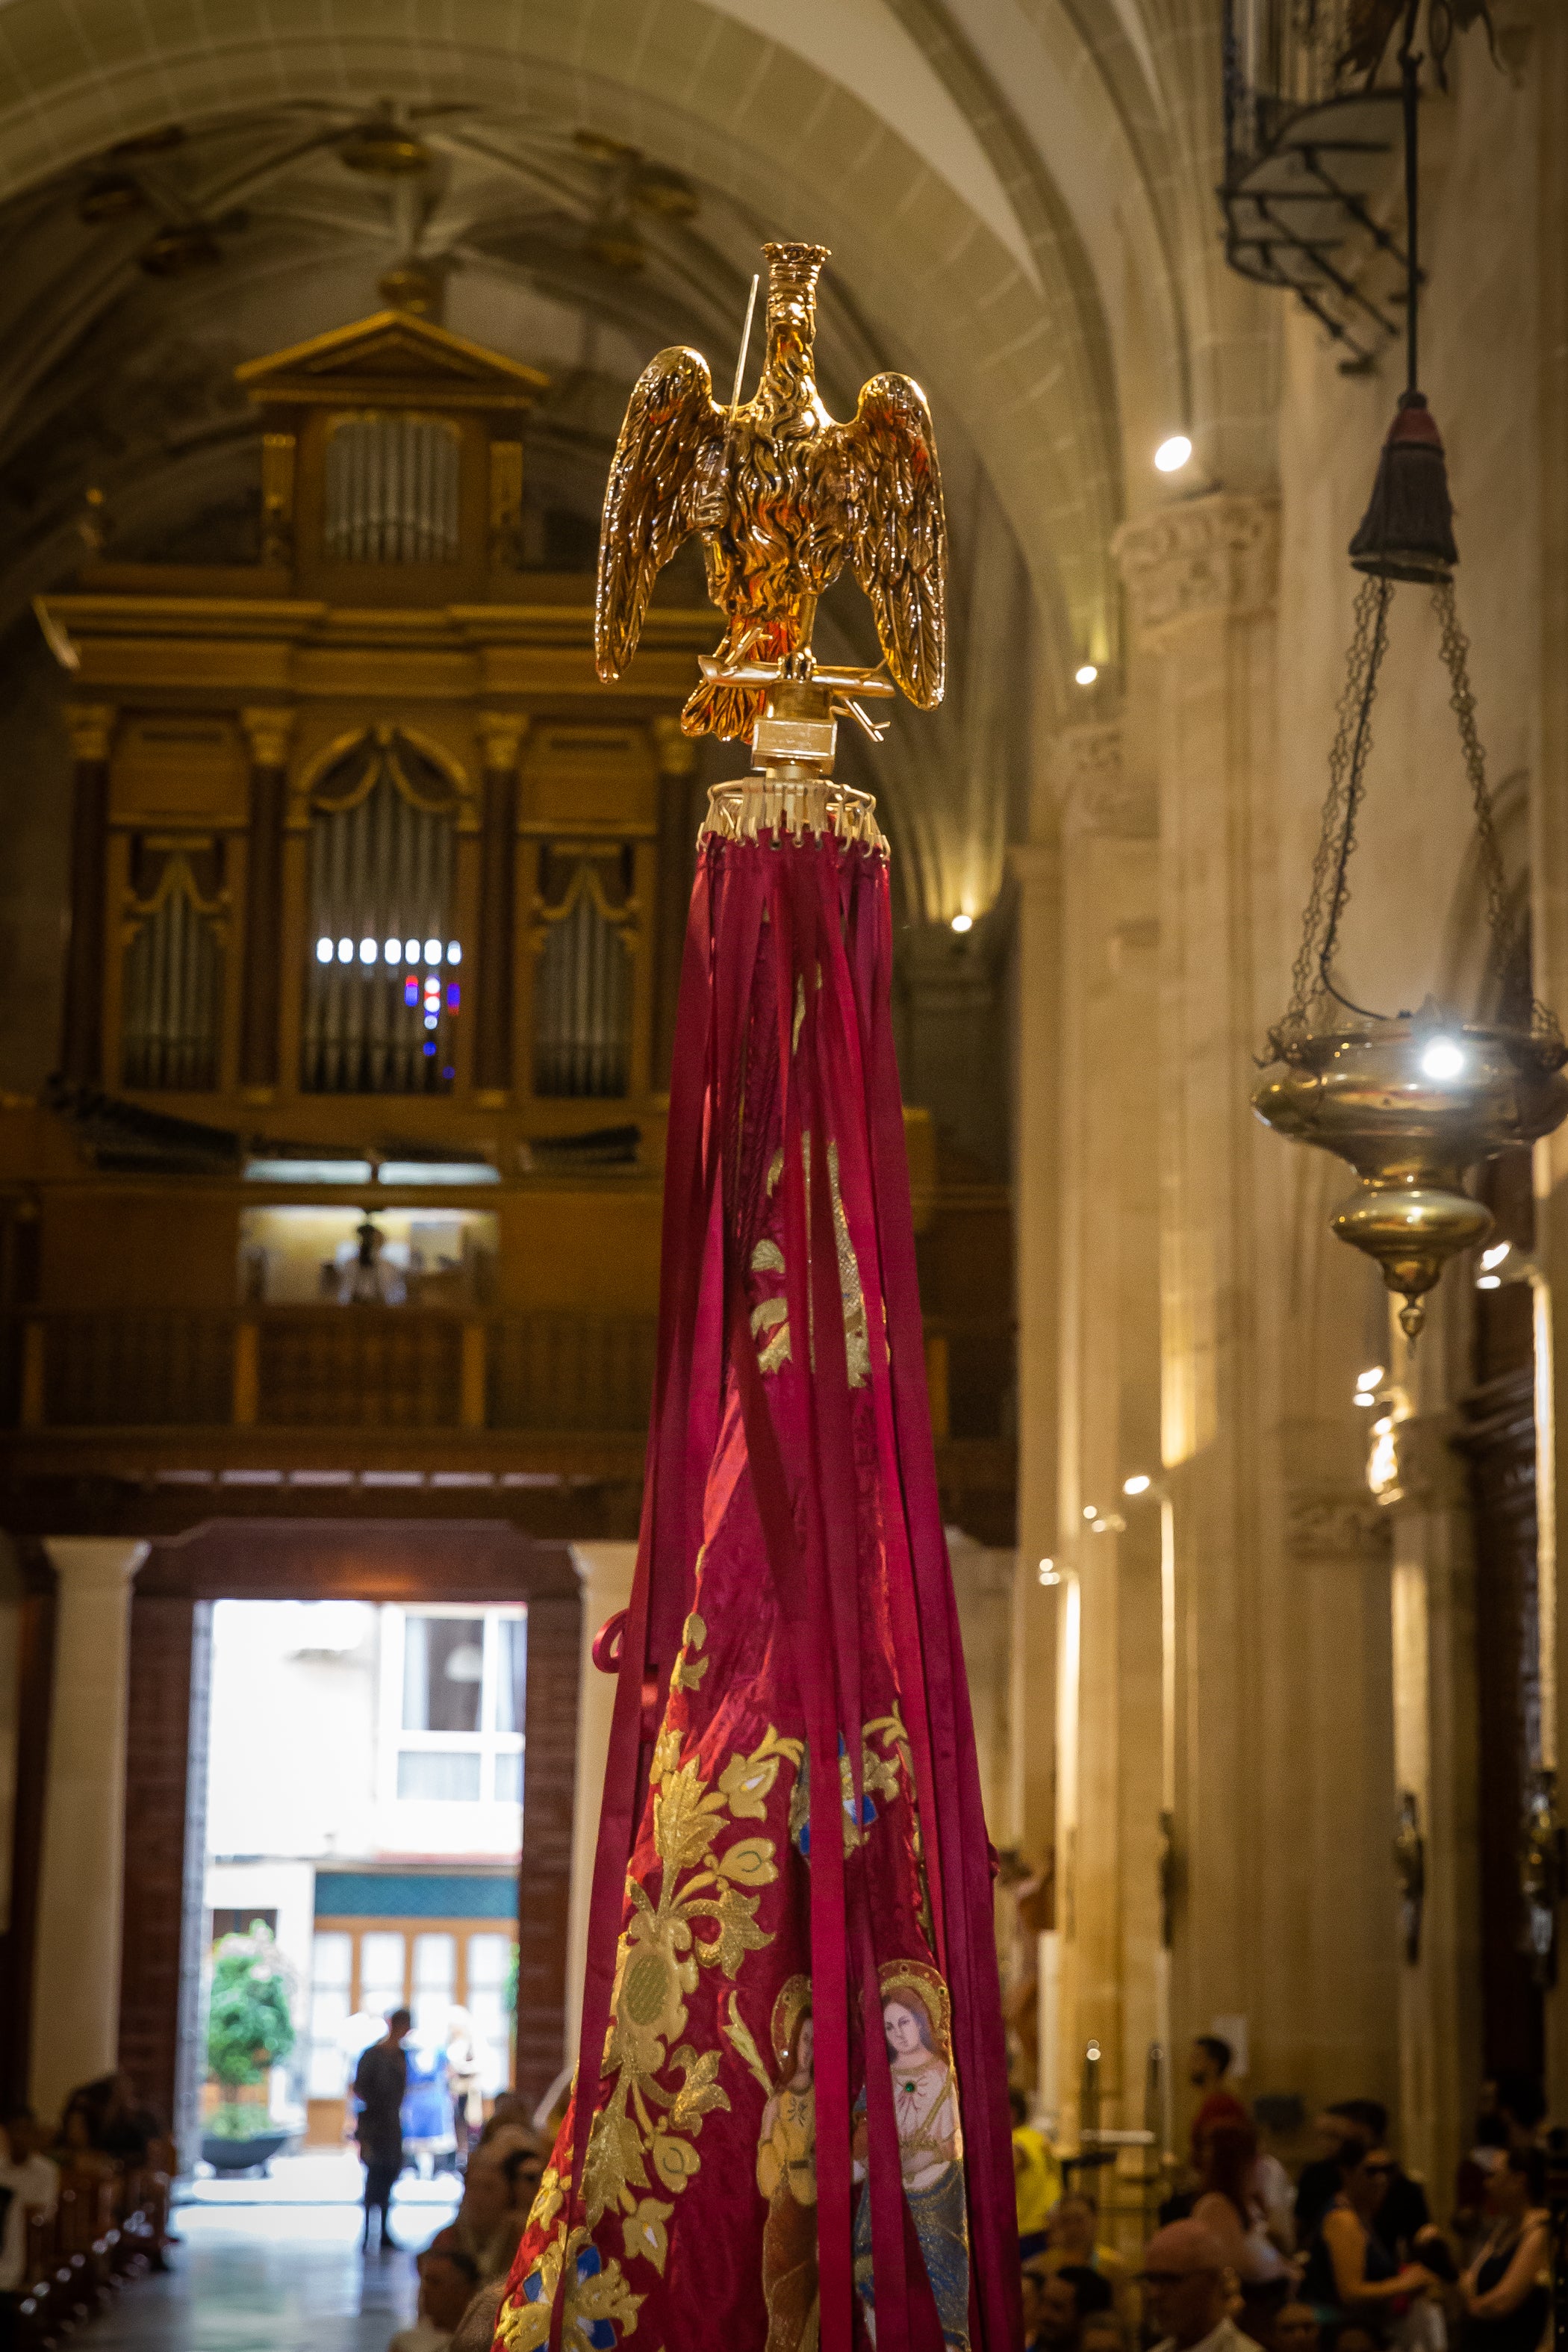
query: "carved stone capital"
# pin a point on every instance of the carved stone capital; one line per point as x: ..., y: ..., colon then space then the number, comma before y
x: 1098, y: 795
x: 268, y: 730
x: 90, y: 728
x: 675, y: 752
x: 1335, y: 1522
x: 1200, y: 558
x: 1425, y: 1472
x: 502, y: 734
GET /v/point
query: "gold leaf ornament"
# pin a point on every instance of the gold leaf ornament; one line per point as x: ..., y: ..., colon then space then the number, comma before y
x: 644, y: 2234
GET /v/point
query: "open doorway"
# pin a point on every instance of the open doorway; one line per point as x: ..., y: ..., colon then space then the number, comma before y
x: 350, y: 1763
x: 363, y: 1832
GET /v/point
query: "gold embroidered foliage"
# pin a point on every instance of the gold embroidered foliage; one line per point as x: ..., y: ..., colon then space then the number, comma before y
x: 772, y: 1315
x: 597, y: 2292
x: 688, y: 1671
x: 704, y: 1917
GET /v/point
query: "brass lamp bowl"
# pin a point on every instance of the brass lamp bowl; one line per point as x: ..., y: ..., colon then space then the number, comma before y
x: 1411, y: 1103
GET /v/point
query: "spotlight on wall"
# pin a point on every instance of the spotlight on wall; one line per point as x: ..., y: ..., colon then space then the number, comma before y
x: 1085, y: 674
x: 961, y: 923
x: 1173, y: 453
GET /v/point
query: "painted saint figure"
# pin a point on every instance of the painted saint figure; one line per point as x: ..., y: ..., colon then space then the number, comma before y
x: 931, y: 2147
x: 786, y: 2175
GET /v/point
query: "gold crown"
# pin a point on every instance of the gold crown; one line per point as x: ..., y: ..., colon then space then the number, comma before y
x: 795, y: 268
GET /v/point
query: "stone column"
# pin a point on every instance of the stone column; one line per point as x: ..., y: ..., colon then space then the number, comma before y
x: 604, y: 1571
x: 1281, y: 1673
x: 1437, y: 1782
x: 1107, y: 1552
x: 268, y: 730
x: 75, y: 2017
x: 1027, y: 1825
x: 501, y: 734
x: 91, y: 726
x: 953, y: 1054
x: 1547, y: 81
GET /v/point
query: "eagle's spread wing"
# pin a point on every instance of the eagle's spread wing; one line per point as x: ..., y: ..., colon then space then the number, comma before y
x: 897, y: 535
x: 671, y: 437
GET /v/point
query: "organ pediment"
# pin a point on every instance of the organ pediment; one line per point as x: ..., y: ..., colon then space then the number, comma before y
x: 391, y: 357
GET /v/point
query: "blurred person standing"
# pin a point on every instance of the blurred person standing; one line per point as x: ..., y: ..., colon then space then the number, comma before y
x: 465, y: 2056
x: 381, y: 2079
x: 1208, y: 2066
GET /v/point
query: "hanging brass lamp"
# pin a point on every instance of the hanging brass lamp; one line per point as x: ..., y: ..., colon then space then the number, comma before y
x: 1410, y: 1099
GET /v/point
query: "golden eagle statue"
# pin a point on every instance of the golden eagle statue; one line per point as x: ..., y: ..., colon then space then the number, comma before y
x: 782, y: 496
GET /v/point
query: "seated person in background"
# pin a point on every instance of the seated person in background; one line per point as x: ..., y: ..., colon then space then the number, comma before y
x: 77, y: 2149
x: 1101, y: 2332
x: 1068, y: 2297
x: 447, y: 2281
x: 478, y: 2326
x: 29, y: 2186
x: 1229, y: 2206
x: 1351, y: 2275
x: 1036, y: 2177
x: 1188, y: 2292
x: 1295, y: 2328
x: 496, y: 2193
x: 1506, y: 2293
x: 1071, y: 2235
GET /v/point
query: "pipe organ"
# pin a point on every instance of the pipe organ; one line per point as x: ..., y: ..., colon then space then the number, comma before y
x: 359, y: 821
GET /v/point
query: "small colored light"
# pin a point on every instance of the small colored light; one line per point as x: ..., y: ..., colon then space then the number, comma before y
x: 1173, y: 453
x: 1495, y: 1255
x: 393, y: 952
x: 454, y: 996
x: 1085, y: 674
x: 1489, y: 1282
x: 1091, y: 1510
x: 430, y: 1045
x: 432, y: 950
x: 1139, y: 1485
x: 1048, y: 1573
x: 454, y: 952
x: 432, y: 1020
x: 411, y: 990
x: 961, y: 923
x: 449, y: 1073
x: 1370, y: 1379
x: 323, y: 950
x: 345, y: 950
x: 368, y: 951
x: 1364, y: 1396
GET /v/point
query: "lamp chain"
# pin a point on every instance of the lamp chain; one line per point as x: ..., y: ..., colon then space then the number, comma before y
x: 1462, y: 702
x: 1330, y: 892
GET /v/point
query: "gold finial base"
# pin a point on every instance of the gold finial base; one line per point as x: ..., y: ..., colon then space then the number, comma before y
x: 793, y: 789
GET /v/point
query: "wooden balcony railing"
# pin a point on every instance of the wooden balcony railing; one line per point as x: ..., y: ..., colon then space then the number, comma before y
x: 387, y: 1370
x: 369, y: 1369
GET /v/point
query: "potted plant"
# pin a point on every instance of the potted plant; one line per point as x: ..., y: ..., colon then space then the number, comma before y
x: 249, y: 2030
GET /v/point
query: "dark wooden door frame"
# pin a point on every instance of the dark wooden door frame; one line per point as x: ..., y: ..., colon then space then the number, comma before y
x: 483, y: 1562
x: 35, y: 1706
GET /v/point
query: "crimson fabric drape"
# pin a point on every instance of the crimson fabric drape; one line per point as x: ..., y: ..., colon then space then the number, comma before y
x: 790, y: 2125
